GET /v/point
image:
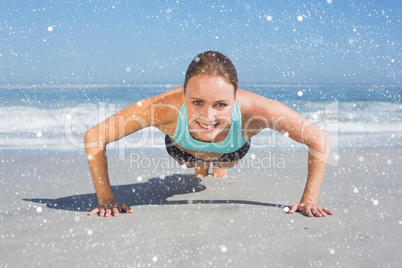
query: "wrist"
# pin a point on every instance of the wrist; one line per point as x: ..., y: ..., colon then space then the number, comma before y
x: 106, y: 201
x: 308, y: 201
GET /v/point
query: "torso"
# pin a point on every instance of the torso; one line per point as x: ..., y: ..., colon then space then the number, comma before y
x: 167, y: 111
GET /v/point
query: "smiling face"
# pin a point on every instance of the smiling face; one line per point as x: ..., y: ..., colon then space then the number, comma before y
x: 209, y: 100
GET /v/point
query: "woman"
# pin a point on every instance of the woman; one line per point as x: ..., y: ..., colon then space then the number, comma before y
x: 208, y: 121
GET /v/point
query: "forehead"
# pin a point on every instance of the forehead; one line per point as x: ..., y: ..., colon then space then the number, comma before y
x: 209, y: 86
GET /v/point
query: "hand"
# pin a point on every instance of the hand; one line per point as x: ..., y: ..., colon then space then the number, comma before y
x: 310, y: 210
x: 105, y: 210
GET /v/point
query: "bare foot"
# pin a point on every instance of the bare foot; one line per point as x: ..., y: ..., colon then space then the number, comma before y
x: 218, y: 172
x: 201, y: 170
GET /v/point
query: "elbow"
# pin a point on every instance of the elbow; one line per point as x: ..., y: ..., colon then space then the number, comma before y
x: 320, y: 142
x: 89, y: 136
x: 92, y: 139
x: 323, y: 144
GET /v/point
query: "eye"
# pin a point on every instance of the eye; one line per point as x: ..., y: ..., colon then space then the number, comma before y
x: 221, y: 105
x: 198, y: 103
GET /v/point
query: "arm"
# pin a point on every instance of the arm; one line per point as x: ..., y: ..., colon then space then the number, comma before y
x: 123, y: 123
x: 318, y: 143
x: 283, y: 119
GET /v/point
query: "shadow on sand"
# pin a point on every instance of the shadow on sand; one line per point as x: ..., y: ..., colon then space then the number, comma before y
x: 154, y: 192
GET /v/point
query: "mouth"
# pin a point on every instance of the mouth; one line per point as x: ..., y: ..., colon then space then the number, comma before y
x: 207, y: 127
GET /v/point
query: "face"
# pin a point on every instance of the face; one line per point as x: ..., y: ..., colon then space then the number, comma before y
x: 209, y: 101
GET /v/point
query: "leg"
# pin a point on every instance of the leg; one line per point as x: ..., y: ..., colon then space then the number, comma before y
x: 228, y: 160
x: 188, y: 164
x: 220, y: 170
x: 200, y: 168
x: 185, y: 158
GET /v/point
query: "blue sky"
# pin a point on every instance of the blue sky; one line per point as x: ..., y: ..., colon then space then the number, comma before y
x: 136, y: 42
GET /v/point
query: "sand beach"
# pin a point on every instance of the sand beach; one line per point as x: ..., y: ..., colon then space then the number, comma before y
x: 182, y: 221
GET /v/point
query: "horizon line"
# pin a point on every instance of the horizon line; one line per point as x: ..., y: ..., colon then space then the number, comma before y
x: 172, y: 85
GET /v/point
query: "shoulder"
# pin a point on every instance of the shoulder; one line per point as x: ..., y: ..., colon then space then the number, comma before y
x: 168, y: 99
x: 259, y: 112
x: 252, y: 104
x: 165, y: 107
x: 159, y: 109
x: 172, y: 96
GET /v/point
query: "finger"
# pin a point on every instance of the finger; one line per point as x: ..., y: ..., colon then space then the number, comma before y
x: 102, y: 212
x: 307, y: 211
x: 93, y: 212
x: 108, y: 212
x: 126, y: 208
x: 321, y: 211
x: 328, y: 211
x: 316, y: 213
x: 115, y: 212
x: 293, y: 208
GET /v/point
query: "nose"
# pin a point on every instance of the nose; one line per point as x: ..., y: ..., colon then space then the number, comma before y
x: 209, y: 115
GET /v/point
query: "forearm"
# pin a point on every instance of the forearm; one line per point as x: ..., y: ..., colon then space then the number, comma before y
x: 97, y: 162
x: 317, y: 162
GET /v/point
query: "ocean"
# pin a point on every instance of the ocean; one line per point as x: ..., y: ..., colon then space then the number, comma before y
x: 56, y: 117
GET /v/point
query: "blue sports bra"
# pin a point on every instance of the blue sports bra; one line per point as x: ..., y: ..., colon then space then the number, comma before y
x: 233, y: 141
